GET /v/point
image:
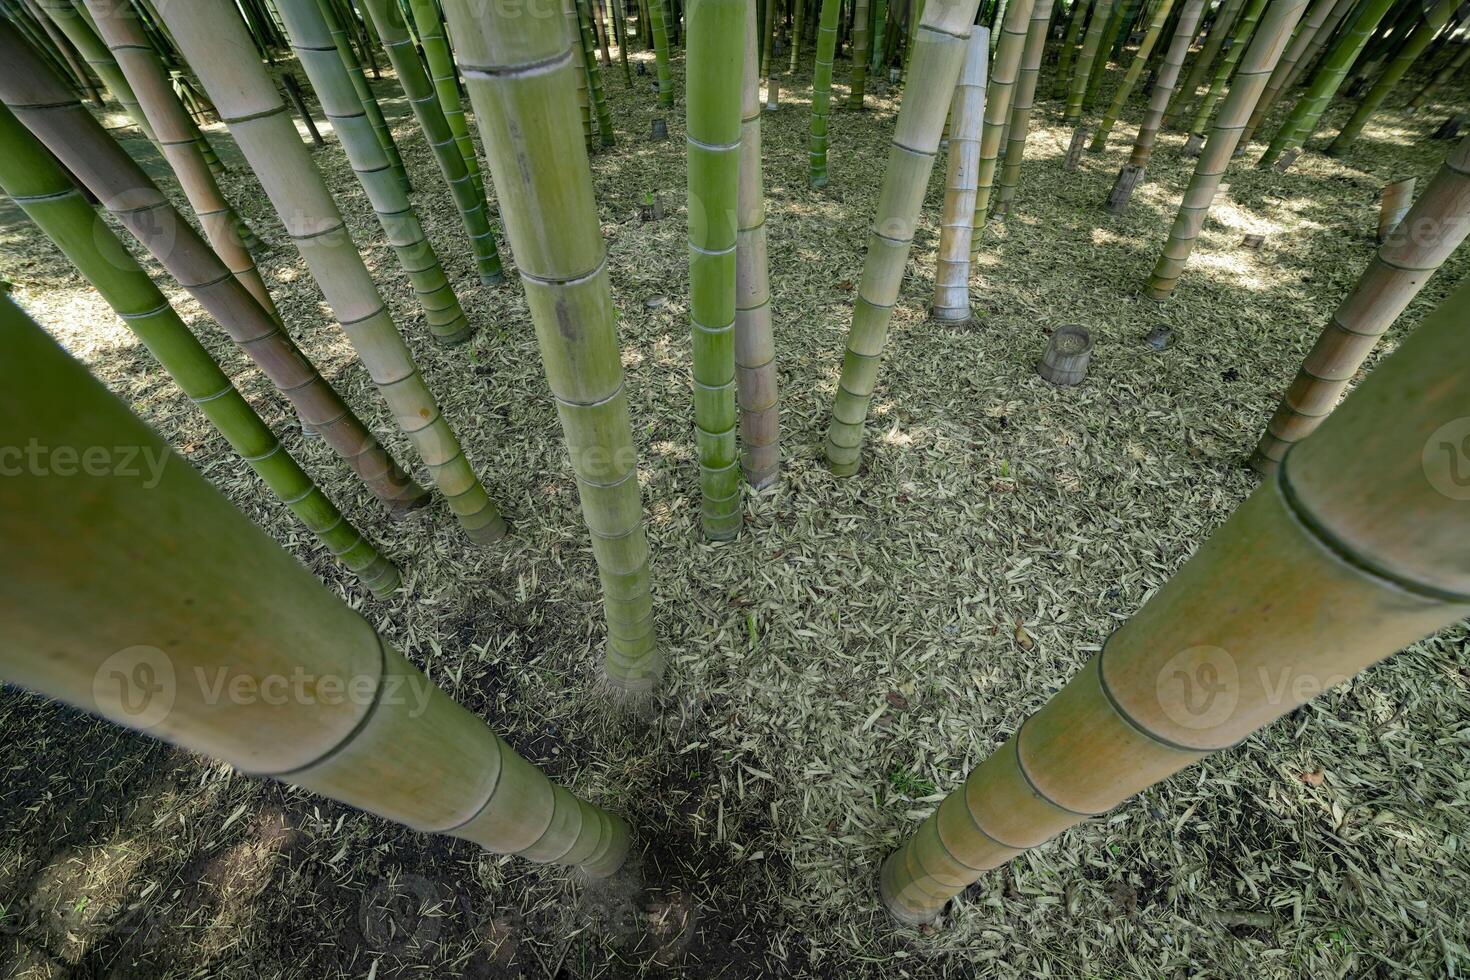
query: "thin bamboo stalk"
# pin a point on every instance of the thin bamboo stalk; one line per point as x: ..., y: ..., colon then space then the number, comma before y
x: 1319, y: 41
x: 1105, y: 47
x: 599, y: 28
x: 860, y: 41
x: 381, y: 130
x: 967, y: 116
x: 822, y: 93
x: 253, y: 111
x: 1260, y: 59
x: 1131, y: 76
x: 584, y: 98
x: 521, y: 79
x: 1022, y: 103
x: 1434, y: 227
x: 1082, y: 72
x: 595, y: 90
x: 96, y: 55
x: 69, y: 54
x: 1244, y: 29
x: 766, y: 31
x: 430, y: 28
x: 1450, y: 69
x: 1316, y: 16
x: 940, y: 48
x: 1001, y: 87
x: 620, y: 35
x: 1077, y: 21
x: 660, y: 31
x: 1220, y: 32
x: 1349, y: 555
x: 331, y: 706
x: 38, y: 39
x: 34, y: 181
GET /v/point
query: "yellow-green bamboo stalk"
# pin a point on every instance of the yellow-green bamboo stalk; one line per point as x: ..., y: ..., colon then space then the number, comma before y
x: 798, y: 25
x: 939, y: 50
x: 1244, y: 29
x: 1022, y: 102
x: 1001, y: 88
x: 1260, y: 58
x: 96, y: 55
x: 430, y: 28
x: 216, y: 45
x: 1082, y: 73
x: 1324, y: 34
x: 584, y: 98
x: 1316, y: 16
x: 661, y: 53
x: 181, y: 594
x: 1078, y: 19
x: 1220, y: 32
x: 1347, y: 556
x: 595, y: 91
x: 364, y: 92
x: 1449, y: 70
x: 951, y: 303
x: 822, y: 92
x: 757, y: 386
x: 521, y: 80
x: 859, y: 53
x: 1434, y: 227
x: 1131, y: 76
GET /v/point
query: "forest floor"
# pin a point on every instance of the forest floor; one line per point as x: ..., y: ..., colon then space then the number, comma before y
x: 839, y: 667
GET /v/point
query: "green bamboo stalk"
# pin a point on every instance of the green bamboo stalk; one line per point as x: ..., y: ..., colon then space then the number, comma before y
x: 1260, y: 59
x: 1003, y: 72
x: 1078, y: 19
x: 766, y: 15
x: 96, y: 55
x: 1449, y: 70
x: 196, y: 591
x: 256, y: 117
x: 1434, y: 19
x: 1105, y: 47
x: 1131, y: 76
x: 521, y: 79
x: 822, y: 93
x: 595, y: 90
x: 34, y: 181
x: 76, y: 67
x: 350, y: 61
x: 1302, y: 121
x: 620, y: 35
x: 661, y: 54
x: 1349, y: 555
x: 1220, y: 32
x: 1022, y: 104
x: 940, y: 47
x: 1244, y: 29
x: 1082, y: 73
x: 584, y: 98
x: 859, y: 53
x: 387, y: 16
x: 1327, y: 32
x: 1317, y: 15
x: 875, y: 38
x: 430, y: 28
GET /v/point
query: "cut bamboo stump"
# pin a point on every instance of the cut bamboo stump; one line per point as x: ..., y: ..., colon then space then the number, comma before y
x: 773, y: 94
x: 1074, y: 152
x: 293, y: 89
x: 1394, y: 204
x: 1193, y: 145
x: 1284, y: 162
x: 1122, y: 192
x: 660, y: 130
x: 1067, y: 353
x: 1450, y: 128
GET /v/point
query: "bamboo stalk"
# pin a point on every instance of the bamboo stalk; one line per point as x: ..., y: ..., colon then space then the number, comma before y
x: 798, y: 25
x: 316, y: 697
x: 64, y: 47
x: 967, y: 115
x: 1316, y: 16
x: 594, y: 74
x: 876, y: 37
x: 1326, y: 33
x: 757, y: 385
x: 1082, y: 72
x: 1450, y: 69
x: 1104, y: 51
x: 34, y: 181
x: 766, y: 32
x: 661, y: 53
x: 1349, y: 555
x: 1075, y: 23
x: 1260, y: 59
x: 940, y: 47
x: 1244, y: 30
x: 1220, y: 32
x: 1001, y: 87
x: 381, y: 130
x: 620, y: 35
x: 253, y: 111
x: 859, y: 53
x: 584, y: 98
x: 1022, y: 104
x: 39, y: 99
x: 1131, y: 76
x: 1434, y: 227
x: 298, y: 98
x: 822, y: 93
x: 96, y: 55
x: 430, y: 28
x: 61, y: 63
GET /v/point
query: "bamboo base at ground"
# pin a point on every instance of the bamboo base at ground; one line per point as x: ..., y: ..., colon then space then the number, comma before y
x: 951, y: 304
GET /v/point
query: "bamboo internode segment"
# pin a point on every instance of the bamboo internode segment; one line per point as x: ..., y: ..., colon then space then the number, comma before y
x: 595, y: 90
x: 467, y: 192
x: 822, y: 91
x: 998, y: 92
x: 1255, y: 67
x: 967, y: 116
x: 311, y: 39
x: 1022, y: 104
x: 1434, y: 227
x: 364, y: 93
x: 95, y: 54
x: 1220, y: 32
x: 1069, y: 45
x: 235, y: 650
x: 430, y: 28
x: 859, y: 52
x: 1244, y: 31
x: 940, y: 45
x: 1301, y: 122
x: 660, y: 31
x: 40, y: 100
x: 216, y: 44
x: 1082, y: 71
x: 1349, y: 555
x: 1131, y: 76
x: 757, y: 386
x: 1312, y: 22
x: 33, y: 180
x: 1326, y: 33
x: 522, y: 80
x: 117, y: 23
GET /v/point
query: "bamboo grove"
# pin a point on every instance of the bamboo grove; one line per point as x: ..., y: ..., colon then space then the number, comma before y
x: 512, y: 111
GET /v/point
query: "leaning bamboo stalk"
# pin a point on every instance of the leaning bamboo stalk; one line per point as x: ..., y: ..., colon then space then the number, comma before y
x: 1131, y: 76
x: 63, y: 63
x: 311, y: 39
x: 468, y: 196
x: 1075, y: 23
x: 252, y: 109
x: 1260, y: 58
x: 96, y: 55
x: 584, y: 98
x: 757, y: 385
x: 73, y: 58
x: 1245, y: 29
x: 198, y: 596
x: 364, y: 92
x: 1325, y: 34
x: 620, y: 37
x: 1022, y: 104
x: 40, y: 100
x: 1104, y: 51
x: 821, y: 116
x: 33, y: 180
x: 595, y: 91
x: 1082, y: 71
x: 998, y: 92
x: 939, y: 50
x: 435, y: 45
x: 1434, y: 227
x: 1450, y: 69
x: 1220, y: 32
x: 1316, y: 15
x: 951, y: 303
x: 660, y: 30
x: 1347, y: 556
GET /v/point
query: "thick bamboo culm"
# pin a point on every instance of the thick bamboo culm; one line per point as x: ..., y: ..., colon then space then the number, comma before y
x: 1434, y: 227
x: 1245, y: 30
x: 660, y: 30
x: 595, y: 89
x: 1130, y: 175
x: 1450, y: 69
x: 117, y: 23
x: 1260, y: 58
x: 41, y: 102
x: 860, y: 41
x: 1346, y: 557
x: 215, y: 43
x: 34, y: 181
x: 98, y: 58
x: 939, y: 50
x: 1008, y: 183
x: 1316, y: 15
x: 430, y: 27
x: 365, y: 95
x: 1435, y: 18
x: 1075, y: 24
x: 1325, y: 34
x: 1302, y: 121
x: 1220, y: 32
x: 1082, y: 70
x: 468, y: 193
x: 1004, y: 68
x: 211, y: 596
x: 311, y: 39
x: 521, y: 80
x: 967, y: 115
x: 822, y: 92
x: 1131, y: 76
x: 757, y: 385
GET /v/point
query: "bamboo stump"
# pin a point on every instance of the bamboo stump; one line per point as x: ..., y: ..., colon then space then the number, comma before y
x: 1074, y: 152
x: 1067, y: 354
x: 773, y: 94
x: 1129, y: 177
x: 1193, y: 145
x: 660, y: 129
x: 1394, y: 204
x: 1284, y: 162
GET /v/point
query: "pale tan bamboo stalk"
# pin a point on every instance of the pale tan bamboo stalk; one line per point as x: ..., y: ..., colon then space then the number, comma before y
x: 1347, y: 556
x: 938, y: 52
x: 1021, y: 105
x: 1434, y: 227
x: 117, y: 23
x: 216, y: 44
x: 1220, y: 32
x: 95, y: 54
x: 1317, y: 14
x: 757, y: 385
x: 1260, y: 58
x: 181, y: 592
x: 967, y: 114
x: 999, y: 90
